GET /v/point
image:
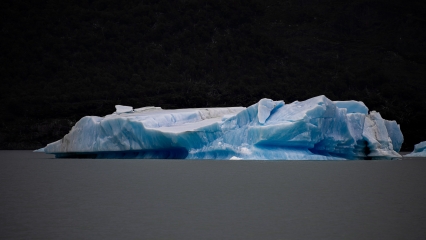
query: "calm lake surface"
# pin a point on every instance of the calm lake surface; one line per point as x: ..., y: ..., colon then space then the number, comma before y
x: 46, y: 198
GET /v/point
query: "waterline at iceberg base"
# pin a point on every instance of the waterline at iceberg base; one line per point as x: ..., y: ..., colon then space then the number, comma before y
x: 315, y: 129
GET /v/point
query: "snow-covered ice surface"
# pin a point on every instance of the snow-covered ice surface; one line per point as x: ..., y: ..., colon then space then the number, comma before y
x: 315, y: 129
x: 419, y: 150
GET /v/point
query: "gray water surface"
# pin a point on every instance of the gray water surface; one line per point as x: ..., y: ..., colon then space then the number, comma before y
x: 46, y: 198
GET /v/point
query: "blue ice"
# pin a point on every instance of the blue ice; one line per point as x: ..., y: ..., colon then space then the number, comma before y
x: 419, y: 150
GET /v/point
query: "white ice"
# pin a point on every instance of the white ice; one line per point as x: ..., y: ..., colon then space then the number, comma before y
x: 123, y: 109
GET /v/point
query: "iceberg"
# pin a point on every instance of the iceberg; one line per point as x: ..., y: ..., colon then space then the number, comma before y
x: 419, y: 150
x: 314, y: 129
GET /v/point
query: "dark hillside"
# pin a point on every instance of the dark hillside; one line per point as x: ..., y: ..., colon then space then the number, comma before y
x: 62, y: 61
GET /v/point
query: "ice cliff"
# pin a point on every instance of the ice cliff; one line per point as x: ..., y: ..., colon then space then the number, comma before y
x: 315, y: 129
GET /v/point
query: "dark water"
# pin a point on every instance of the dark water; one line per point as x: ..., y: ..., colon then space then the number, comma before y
x: 44, y: 198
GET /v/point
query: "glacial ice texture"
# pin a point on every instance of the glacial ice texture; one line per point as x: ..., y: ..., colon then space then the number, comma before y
x: 315, y: 129
x: 419, y: 150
